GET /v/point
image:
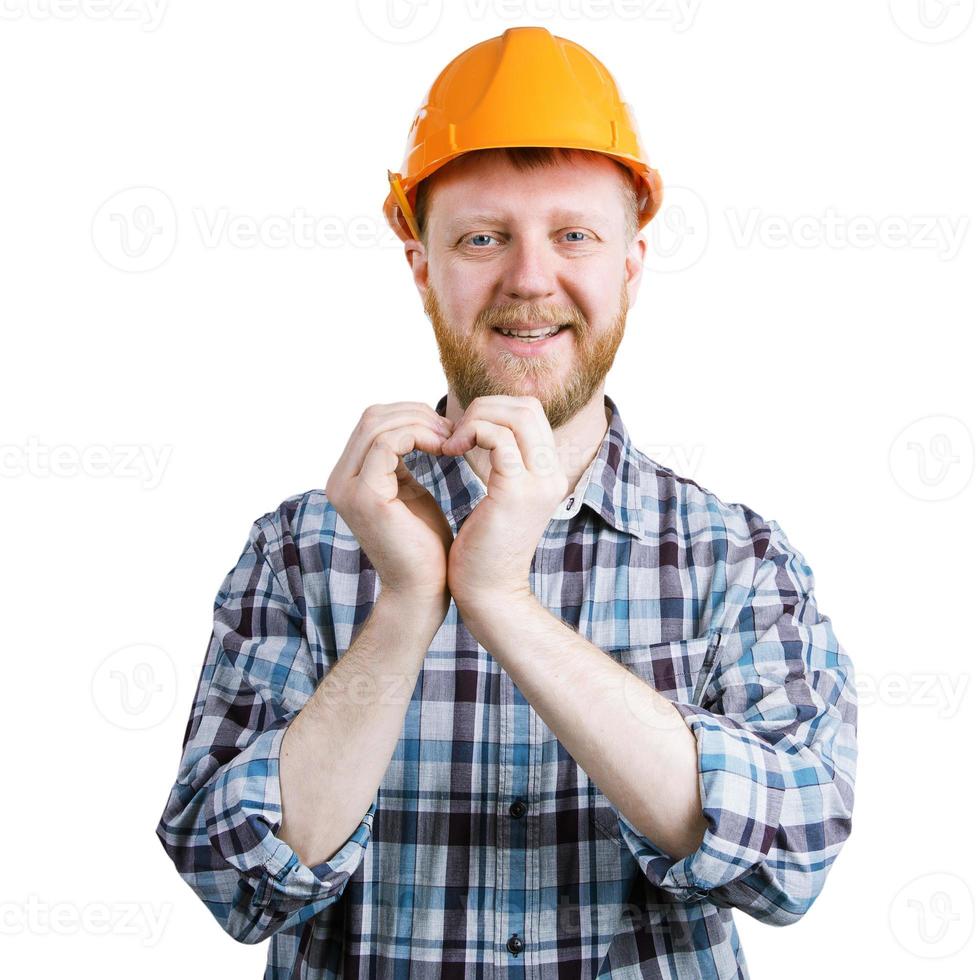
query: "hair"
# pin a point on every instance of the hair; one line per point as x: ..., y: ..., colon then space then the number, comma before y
x: 526, y: 158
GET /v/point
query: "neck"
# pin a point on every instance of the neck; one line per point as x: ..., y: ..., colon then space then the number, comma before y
x: 576, y: 442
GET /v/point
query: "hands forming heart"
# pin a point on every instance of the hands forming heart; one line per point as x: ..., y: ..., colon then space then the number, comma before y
x: 404, y: 532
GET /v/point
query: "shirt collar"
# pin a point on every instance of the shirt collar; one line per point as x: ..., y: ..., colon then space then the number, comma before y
x: 611, y: 487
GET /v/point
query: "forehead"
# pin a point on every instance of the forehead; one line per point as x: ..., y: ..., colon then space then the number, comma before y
x: 490, y: 189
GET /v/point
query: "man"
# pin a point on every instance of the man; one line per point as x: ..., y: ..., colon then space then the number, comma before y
x: 509, y: 697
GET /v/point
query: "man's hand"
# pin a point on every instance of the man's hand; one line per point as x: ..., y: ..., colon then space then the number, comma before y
x: 491, y: 558
x: 401, y: 528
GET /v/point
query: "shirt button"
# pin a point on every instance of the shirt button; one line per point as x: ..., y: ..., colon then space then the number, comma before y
x: 518, y: 808
x: 515, y: 944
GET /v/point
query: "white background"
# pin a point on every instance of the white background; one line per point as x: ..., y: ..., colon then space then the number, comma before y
x: 803, y: 344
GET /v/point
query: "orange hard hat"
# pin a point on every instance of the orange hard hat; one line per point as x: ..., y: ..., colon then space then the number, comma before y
x: 523, y: 88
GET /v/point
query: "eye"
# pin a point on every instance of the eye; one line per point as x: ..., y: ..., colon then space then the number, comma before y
x: 470, y: 239
x: 577, y: 233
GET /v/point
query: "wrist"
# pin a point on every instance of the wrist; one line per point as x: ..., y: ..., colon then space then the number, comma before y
x: 490, y: 607
x: 413, y: 612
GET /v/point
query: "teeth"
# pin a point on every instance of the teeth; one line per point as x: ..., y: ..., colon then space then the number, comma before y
x: 530, y: 334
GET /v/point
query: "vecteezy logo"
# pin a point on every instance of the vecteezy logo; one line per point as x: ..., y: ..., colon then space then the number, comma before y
x: 932, y: 458
x: 679, y: 234
x: 931, y: 21
x: 400, y: 21
x: 135, y: 687
x: 136, y: 229
x: 932, y: 915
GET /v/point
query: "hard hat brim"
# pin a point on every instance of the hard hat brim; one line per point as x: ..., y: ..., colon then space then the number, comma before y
x: 649, y: 186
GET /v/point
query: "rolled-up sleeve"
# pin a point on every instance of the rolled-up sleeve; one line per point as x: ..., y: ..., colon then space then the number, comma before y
x: 776, y: 733
x: 220, y: 821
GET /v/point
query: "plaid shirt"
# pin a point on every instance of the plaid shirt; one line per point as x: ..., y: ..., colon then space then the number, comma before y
x: 488, y: 852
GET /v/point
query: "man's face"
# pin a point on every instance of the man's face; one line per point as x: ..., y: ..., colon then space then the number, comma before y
x: 523, y: 251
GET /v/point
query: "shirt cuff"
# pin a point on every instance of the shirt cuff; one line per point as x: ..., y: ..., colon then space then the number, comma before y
x: 245, y: 813
x: 741, y: 787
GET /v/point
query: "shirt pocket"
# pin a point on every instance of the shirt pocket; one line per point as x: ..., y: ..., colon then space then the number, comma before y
x: 679, y: 670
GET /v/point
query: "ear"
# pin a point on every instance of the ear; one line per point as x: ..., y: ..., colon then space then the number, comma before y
x: 418, y: 262
x: 635, y: 254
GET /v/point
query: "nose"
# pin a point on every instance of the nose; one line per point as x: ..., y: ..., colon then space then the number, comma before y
x: 529, y: 273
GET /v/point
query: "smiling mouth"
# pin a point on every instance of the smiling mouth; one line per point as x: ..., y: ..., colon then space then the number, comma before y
x: 530, y: 340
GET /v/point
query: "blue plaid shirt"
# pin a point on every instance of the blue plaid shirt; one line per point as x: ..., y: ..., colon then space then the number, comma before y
x: 488, y: 852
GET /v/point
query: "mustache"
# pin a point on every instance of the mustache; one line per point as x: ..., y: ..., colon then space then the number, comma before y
x: 506, y: 316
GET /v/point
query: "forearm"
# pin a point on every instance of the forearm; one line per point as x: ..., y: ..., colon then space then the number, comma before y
x: 630, y: 739
x: 337, y: 749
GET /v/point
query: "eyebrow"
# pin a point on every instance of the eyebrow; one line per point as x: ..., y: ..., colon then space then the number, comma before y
x: 488, y: 218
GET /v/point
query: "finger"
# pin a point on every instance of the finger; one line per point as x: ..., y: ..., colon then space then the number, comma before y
x: 427, y: 410
x: 369, y: 428
x: 405, y: 406
x: 505, y: 455
x: 524, y: 416
x: 409, y: 488
x: 375, y: 414
x: 382, y: 459
x: 527, y: 421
